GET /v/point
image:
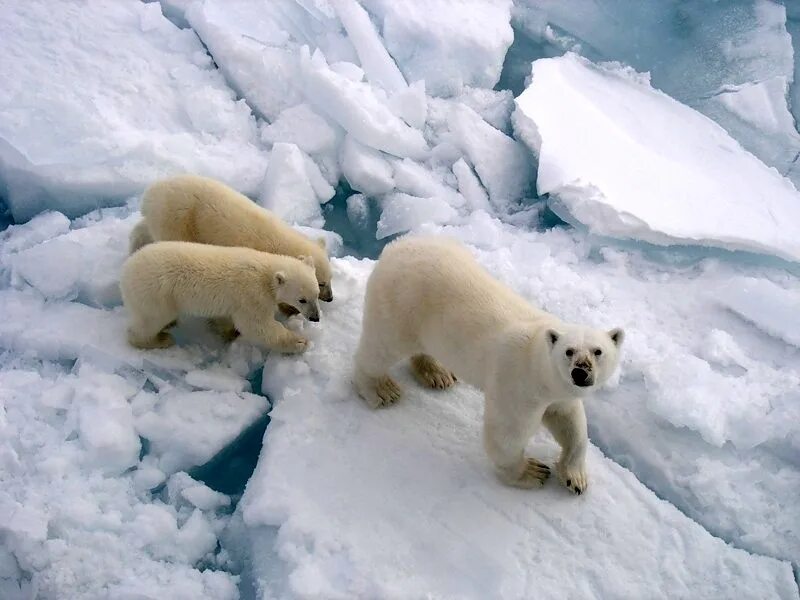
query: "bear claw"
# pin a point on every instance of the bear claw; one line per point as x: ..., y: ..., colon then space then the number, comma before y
x: 574, y: 479
x: 387, y: 391
x: 430, y: 373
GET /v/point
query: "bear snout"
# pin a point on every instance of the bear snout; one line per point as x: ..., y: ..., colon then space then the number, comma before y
x: 581, y: 377
x: 326, y: 295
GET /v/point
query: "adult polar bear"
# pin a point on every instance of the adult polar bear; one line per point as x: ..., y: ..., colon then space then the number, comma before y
x: 428, y: 299
x: 191, y: 208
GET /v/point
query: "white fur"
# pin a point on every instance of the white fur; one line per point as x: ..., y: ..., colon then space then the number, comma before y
x: 165, y: 279
x: 190, y: 208
x: 428, y: 299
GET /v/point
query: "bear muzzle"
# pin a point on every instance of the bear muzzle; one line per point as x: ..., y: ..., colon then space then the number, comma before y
x: 582, y: 377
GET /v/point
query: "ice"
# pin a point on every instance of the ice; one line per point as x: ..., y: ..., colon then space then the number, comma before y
x: 649, y: 163
x: 448, y: 45
x: 358, y: 109
x: 503, y: 164
x: 770, y: 307
x: 121, y: 97
x: 402, y: 212
x: 39, y: 229
x: 187, y: 429
x: 411, y: 104
x: 378, y: 66
x: 303, y: 126
x: 256, y: 47
x: 470, y: 187
x: 365, y: 168
x: 294, y: 186
x: 731, y: 61
x: 356, y: 522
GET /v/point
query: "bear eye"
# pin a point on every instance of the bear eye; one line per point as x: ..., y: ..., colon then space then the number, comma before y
x: 302, y: 300
x: 569, y: 352
x: 598, y: 352
x: 322, y: 285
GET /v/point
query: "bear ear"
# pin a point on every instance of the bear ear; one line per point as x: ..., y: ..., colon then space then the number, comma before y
x: 552, y: 337
x: 617, y: 335
x: 322, y: 243
x: 279, y: 278
x: 308, y: 260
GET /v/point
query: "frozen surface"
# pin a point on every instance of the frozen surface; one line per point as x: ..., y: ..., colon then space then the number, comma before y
x: 733, y: 61
x: 97, y: 103
x: 627, y: 161
x: 90, y: 428
x: 402, y: 502
x: 448, y: 44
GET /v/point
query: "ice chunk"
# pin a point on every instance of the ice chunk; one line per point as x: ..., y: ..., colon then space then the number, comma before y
x: 413, y: 178
x: 447, y: 45
x: 294, y: 186
x: 654, y: 170
x: 771, y: 308
x: 376, y: 62
x: 187, y: 429
x: 503, y: 164
x: 453, y: 529
x: 220, y: 379
x: 356, y: 107
x: 366, y: 169
x: 403, y: 212
x: 132, y: 98
x: 41, y: 228
x: 411, y: 104
x: 302, y: 126
x: 470, y: 187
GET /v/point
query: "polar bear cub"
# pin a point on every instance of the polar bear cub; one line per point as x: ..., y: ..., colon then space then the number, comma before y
x: 429, y: 300
x: 190, y: 208
x: 167, y: 279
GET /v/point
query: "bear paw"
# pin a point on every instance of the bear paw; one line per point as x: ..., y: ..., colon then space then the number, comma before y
x: 533, y: 475
x: 387, y: 391
x: 430, y: 372
x: 296, y: 346
x: 574, y: 479
x: 160, y: 341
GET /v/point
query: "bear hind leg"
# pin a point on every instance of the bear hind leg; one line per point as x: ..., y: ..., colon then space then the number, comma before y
x: 429, y: 372
x: 224, y: 328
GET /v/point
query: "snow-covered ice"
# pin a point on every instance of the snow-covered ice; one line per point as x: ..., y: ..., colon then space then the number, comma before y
x: 627, y: 161
x: 403, y: 503
x: 112, y: 460
x: 98, y: 103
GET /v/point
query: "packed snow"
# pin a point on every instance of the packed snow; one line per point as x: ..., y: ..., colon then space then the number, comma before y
x: 363, y: 120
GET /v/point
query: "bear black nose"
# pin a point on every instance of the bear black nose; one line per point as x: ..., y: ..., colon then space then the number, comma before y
x: 581, y: 378
x: 314, y: 318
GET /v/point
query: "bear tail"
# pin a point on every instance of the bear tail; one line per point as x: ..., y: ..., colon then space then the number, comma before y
x: 140, y: 236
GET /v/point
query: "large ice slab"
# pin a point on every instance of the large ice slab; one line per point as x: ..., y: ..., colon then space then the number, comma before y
x: 628, y: 161
x: 403, y: 503
x: 101, y: 100
x: 448, y: 44
x: 732, y: 61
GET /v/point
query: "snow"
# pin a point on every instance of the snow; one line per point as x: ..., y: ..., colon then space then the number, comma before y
x: 356, y: 515
x: 111, y: 458
x: 90, y: 428
x: 648, y: 162
x: 114, y: 97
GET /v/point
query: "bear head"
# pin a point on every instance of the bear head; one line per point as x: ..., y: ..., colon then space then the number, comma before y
x: 296, y: 290
x: 584, y: 358
x: 322, y: 265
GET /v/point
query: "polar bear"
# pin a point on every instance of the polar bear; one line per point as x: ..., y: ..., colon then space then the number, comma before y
x: 165, y: 279
x: 191, y: 208
x: 429, y: 300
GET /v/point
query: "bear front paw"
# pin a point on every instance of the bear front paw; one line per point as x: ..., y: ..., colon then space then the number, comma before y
x: 573, y: 478
x: 295, y: 346
x: 533, y: 475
